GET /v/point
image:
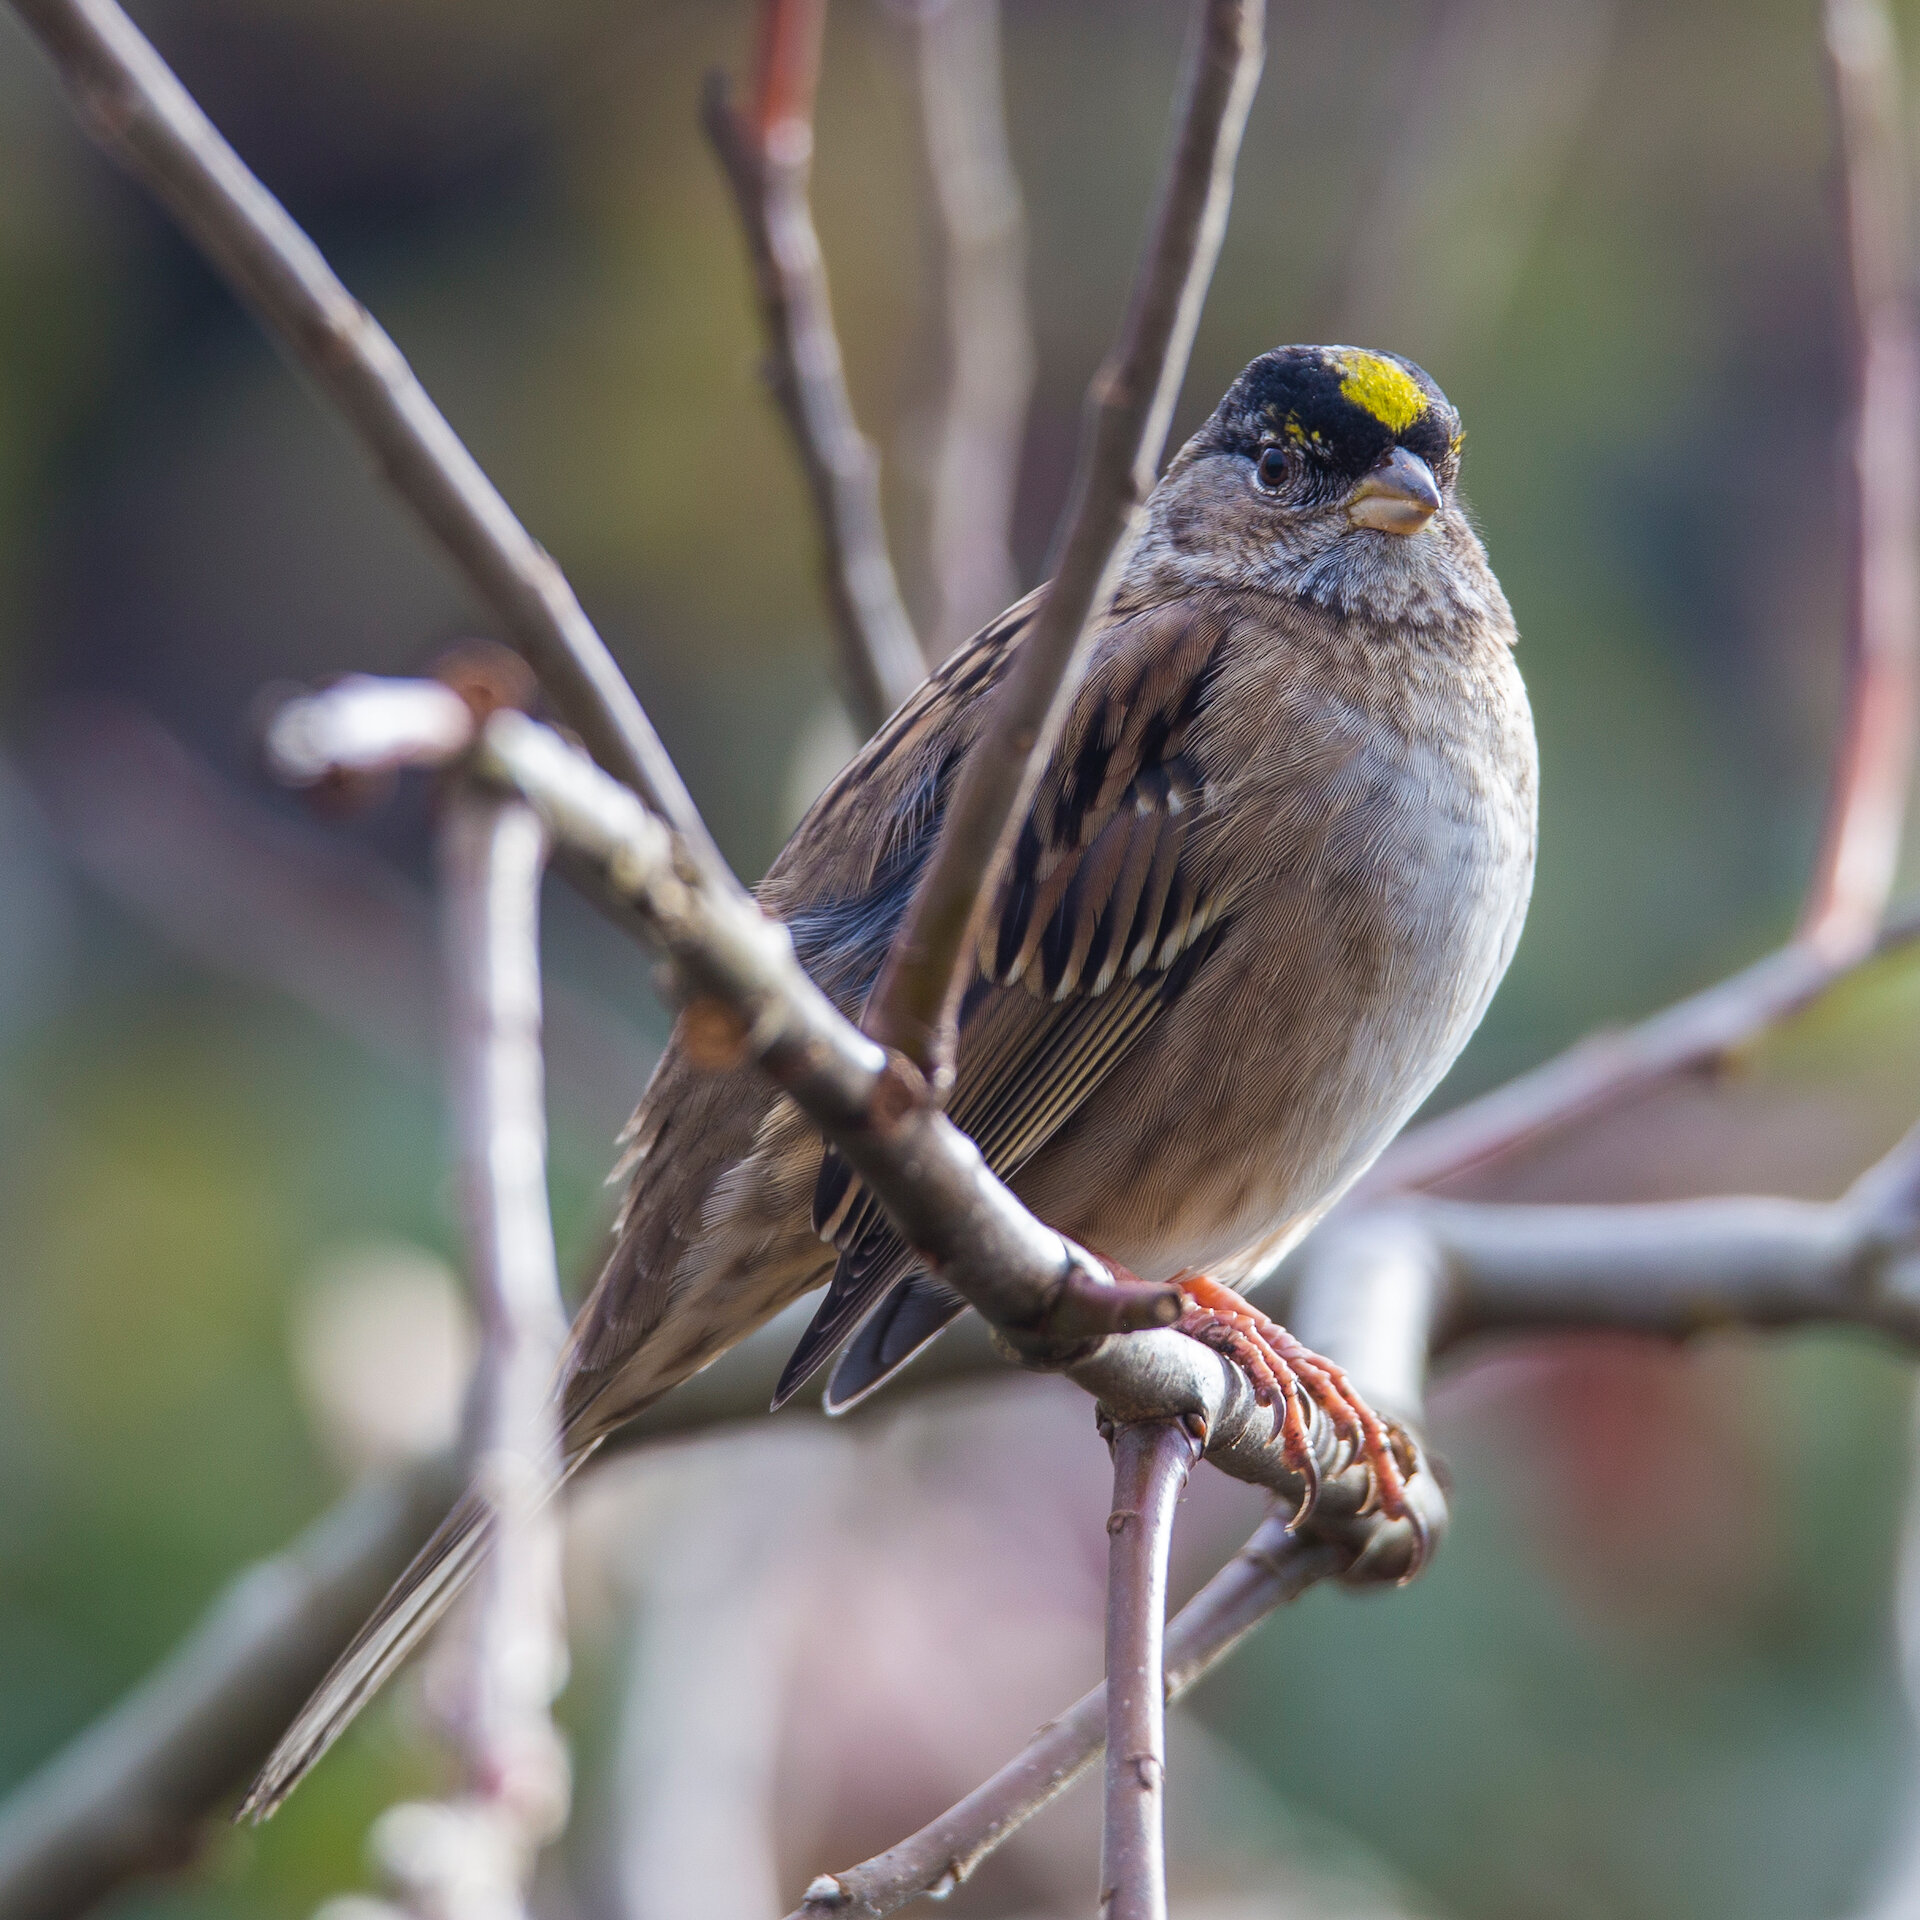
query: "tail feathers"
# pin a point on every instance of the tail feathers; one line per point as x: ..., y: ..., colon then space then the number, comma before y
x: 904, y: 1325
x: 418, y: 1598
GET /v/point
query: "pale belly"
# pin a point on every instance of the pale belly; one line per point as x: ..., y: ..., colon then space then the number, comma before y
x: 1317, y: 1030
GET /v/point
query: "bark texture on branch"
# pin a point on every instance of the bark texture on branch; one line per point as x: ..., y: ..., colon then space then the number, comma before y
x: 1151, y: 1461
x: 1367, y: 1300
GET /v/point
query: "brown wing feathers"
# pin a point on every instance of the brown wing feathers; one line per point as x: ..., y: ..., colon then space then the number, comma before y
x: 1099, y: 920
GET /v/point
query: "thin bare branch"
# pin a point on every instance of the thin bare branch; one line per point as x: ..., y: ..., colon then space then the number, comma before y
x: 133, y: 105
x: 1274, y: 1567
x: 471, y: 1858
x: 1130, y: 407
x: 493, y: 853
x: 767, y: 156
x: 134, y: 1793
x: 1685, y: 1266
x: 1151, y: 1461
x: 1873, y: 766
x: 990, y: 357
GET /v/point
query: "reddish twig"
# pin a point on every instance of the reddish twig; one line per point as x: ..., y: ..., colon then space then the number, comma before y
x: 1873, y: 766
x: 1151, y: 1461
x: 767, y: 156
x: 1130, y: 405
x: 786, y: 74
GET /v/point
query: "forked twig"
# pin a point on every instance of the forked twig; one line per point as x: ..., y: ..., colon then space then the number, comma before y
x: 1873, y: 764
x: 1130, y: 407
x: 130, y: 101
x: 767, y: 156
x: 1275, y: 1567
x: 1151, y: 1461
x: 128, y: 1792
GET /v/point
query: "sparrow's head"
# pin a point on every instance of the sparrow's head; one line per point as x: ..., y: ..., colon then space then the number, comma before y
x: 1325, y: 472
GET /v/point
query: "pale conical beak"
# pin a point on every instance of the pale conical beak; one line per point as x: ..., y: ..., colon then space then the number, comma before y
x: 1398, y: 496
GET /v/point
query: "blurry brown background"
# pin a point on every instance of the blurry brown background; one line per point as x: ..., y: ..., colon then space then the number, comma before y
x: 1654, y: 1672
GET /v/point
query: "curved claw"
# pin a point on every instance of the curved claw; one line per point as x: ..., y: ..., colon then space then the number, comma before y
x: 1309, y: 1492
x: 1422, y: 1543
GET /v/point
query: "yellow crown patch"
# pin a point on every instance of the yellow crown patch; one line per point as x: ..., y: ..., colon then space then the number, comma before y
x: 1388, y: 392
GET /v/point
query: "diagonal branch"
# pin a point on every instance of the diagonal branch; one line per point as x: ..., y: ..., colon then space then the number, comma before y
x: 990, y: 358
x: 1866, y: 808
x: 133, y: 105
x: 1130, y: 407
x: 1873, y: 766
x: 767, y: 157
x: 1274, y: 1568
x: 1151, y: 1461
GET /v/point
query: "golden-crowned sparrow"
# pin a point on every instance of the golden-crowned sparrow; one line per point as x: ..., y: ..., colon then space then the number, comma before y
x: 1275, y: 868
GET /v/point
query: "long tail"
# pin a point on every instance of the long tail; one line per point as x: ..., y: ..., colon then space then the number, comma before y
x: 416, y: 1600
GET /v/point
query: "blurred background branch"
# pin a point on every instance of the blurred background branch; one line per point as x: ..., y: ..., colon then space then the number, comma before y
x: 128, y: 99
x: 767, y: 156
x: 988, y: 376
x: 1873, y: 762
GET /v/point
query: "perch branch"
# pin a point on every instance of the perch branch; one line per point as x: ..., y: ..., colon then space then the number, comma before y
x: 1151, y: 1461
x: 130, y: 101
x: 990, y: 359
x: 767, y: 157
x: 1873, y: 767
x: 1130, y: 407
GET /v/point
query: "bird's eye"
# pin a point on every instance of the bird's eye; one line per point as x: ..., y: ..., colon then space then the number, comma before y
x: 1271, y: 468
